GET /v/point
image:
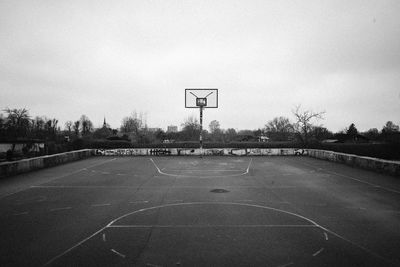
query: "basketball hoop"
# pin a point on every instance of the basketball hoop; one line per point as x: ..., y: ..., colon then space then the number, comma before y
x: 201, y: 101
x: 201, y: 98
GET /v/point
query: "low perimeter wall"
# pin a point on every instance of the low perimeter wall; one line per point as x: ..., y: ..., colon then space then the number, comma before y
x: 374, y: 164
x: 378, y: 165
x: 198, y: 152
x: 27, y: 165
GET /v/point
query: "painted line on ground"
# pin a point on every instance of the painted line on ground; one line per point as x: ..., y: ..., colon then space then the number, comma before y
x: 59, y: 177
x: 218, y: 226
x: 139, y: 202
x: 286, y: 265
x: 248, y: 167
x: 174, y: 200
x: 210, y: 176
x: 318, y: 252
x: 63, y: 208
x: 82, y: 186
x: 358, y: 246
x: 21, y: 213
x: 101, y: 205
x: 118, y: 253
x: 184, y: 170
x: 351, y: 178
x: 262, y: 207
x: 80, y: 170
x: 51, y: 261
x: 313, y: 224
x: 392, y: 211
x: 215, y: 203
x: 355, y: 208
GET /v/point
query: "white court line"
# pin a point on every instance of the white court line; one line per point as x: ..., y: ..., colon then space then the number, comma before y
x: 81, y: 186
x: 193, y: 170
x: 286, y: 265
x: 351, y: 178
x: 101, y: 205
x: 63, y: 208
x: 21, y: 213
x: 73, y: 247
x: 214, y: 203
x: 139, y: 202
x: 80, y: 170
x: 218, y: 226
x: 58, y: 177
x: 174, y: 200
x: 110, y: 225
x: 169, y: 205
x: 158, y: 187
x: 211, y: 176
x: 358, y: 246
x: 318, y: 252
x: 119, y: 254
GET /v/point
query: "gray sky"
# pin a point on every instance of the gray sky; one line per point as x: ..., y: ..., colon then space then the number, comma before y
x: 63, y: 59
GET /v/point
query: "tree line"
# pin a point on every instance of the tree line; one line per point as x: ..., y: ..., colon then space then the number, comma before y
x: 17, y: 125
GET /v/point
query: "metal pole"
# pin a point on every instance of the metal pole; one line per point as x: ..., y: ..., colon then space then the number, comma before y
x: 201, y: 130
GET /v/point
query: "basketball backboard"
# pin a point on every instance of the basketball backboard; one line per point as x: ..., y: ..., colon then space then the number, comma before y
x: 205, y: 98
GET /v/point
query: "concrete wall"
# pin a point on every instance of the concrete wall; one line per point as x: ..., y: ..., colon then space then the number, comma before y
x: 197, y: 152
x: 26, y: 165
x: 378, y: 165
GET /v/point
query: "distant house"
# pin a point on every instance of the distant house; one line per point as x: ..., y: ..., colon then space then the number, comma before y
x: 347, y: 138
x: 172, y: 129
x: 330, y: 141
x: 153, y: 130
x: 263, y: 138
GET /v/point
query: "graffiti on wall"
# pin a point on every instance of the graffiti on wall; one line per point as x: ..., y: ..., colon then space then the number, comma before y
x: 120, y: 152
x: 238, y: 151
x: 214, y: 152
x: 160, y: 152
x: 198, y: 152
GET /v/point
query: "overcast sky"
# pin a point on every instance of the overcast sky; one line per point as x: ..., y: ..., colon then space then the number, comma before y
x: 63, y: 59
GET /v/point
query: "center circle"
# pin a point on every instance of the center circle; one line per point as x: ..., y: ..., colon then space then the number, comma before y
x: 213, y: 234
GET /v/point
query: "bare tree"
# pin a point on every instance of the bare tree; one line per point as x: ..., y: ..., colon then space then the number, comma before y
x: 190, y: 129
x: 279, y: 129
x: 352, y: 130
x: 390, y: 127
x: 17, y: 122
x: 68, y: 126
x: 76, y: 127
x: 304, y: 122
x: 17, y: 125
x: 86, y: 125
x: 133, y: 123
x: 215, y: 131
x: 230, y: 135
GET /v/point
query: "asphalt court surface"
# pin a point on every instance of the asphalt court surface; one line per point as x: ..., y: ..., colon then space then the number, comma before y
x: 191, y: 211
